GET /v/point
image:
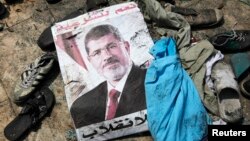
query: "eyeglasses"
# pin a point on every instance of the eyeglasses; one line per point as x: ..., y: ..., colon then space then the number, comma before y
x: 109, y: 48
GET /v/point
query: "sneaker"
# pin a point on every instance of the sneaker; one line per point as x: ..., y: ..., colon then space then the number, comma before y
x: 231, y: 41
x: 32, y: 77
x: 199, y: 17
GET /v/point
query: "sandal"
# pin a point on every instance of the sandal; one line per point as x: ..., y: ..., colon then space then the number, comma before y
x: 31, y: 114
x: 31, y: 78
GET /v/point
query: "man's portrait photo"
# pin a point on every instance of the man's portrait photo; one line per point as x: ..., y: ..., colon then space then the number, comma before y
x: 103, y: 56
x: 123, y: 90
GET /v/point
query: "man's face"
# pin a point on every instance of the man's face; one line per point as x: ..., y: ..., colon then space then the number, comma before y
x: 109, y: 56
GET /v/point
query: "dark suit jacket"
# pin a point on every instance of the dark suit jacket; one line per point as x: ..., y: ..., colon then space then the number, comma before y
x: 91, y: 107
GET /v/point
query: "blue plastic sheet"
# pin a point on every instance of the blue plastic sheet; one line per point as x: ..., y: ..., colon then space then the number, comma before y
x: 174, y: 108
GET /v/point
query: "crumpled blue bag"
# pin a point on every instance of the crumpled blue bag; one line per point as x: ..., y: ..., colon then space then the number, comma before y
x: 174, y: 108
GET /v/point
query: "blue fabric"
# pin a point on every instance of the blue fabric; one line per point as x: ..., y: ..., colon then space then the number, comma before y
x: 174, y: 108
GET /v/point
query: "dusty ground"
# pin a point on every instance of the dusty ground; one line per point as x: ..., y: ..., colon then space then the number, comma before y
x: 26, y: 21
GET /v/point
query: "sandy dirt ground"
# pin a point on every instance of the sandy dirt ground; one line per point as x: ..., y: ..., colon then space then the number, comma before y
x: 25, y: 22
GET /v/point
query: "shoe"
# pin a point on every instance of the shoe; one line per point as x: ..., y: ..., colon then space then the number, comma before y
x: 199, y: 17
x: 46, y: 41
x: 32, y: 77
x: 53, y: 1
x: 232, y: 41
x: 33, y: 112
x: 228, y: 93
x: 95, y: 4
x: 2, y: 10
x: 245, y: 86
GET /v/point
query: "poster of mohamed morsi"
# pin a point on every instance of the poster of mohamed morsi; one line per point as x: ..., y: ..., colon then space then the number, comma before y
x: 102, y: 56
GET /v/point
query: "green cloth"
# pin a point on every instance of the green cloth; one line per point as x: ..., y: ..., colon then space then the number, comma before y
x: 241, y: 64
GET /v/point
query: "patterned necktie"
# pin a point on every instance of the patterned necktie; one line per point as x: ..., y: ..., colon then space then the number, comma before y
x: 113, y: 98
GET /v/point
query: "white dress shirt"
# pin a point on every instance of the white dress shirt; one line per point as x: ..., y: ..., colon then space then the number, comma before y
x: 119, y: 87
